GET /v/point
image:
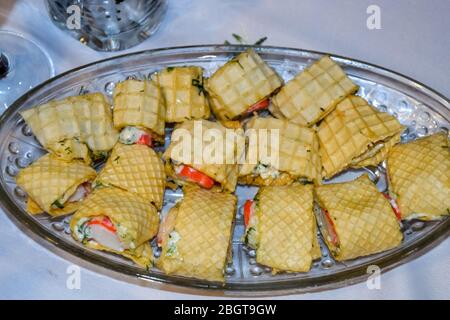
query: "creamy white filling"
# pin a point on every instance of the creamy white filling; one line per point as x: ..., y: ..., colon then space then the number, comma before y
x: 266, y: 171
x: 106, y: 237
x: 130, y: 135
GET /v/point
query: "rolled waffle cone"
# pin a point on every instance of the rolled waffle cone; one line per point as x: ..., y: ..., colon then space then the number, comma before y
x: 419, y: 176
x: 313, y: 93
x: 141, y: 104
x: 49, y: 179
x: 87, y: 118
x: 183, y: 92
x: 139, y: 217
x: 364, y: 220
x: 352, y: 134
x: 298, y: 152
x: 239, y: 84
x: 225, y: 172
x: 286, y: 228
x: 204, y: 223
x: 137, y: 169
x: 71, y: 149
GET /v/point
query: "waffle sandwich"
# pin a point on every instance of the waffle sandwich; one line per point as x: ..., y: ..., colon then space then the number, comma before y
x: 55, y: 186
x: 117, y: 221
x: 281, y: 226
x: 293, y: 154
x: 356, y: 219
x: 313, y: 93
x: 197, y: 242
x: 82, y: 120
x: 241, y: 86
x: 191, y: 155
x: 355, y: 134
x: 139, y: 111
x: 137, y: 169
x: 184, y: 93
x: 419, y: 177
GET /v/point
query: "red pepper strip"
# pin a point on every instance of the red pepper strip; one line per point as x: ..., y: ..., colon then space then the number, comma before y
x: 394, y: 206
x: 196, y: 176
x: 331, y: 229
x: 248, y: 211
x: 145, y: 139
x: 104, y: 222
x: 263, y: 104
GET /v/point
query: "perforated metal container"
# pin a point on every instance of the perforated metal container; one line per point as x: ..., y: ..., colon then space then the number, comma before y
x: 418, y: 107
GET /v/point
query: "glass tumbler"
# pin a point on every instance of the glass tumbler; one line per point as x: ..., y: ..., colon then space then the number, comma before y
x: 108, y: 25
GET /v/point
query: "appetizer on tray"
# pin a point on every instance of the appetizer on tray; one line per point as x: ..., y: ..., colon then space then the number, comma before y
x: 313, y: 93
x: 356, y: 135
x: 72, y: 127
x: 356, y: 219
x: 195, y: 236
x: 54, y: 185
x: 281, y: 226
x: 139, y: 112
x: 242, y: 86
x: 184, y: 93
x: 135, y: 168
x: 182, y: 164
x: 419, y: 176
x: 114, y: 220
x: 296, y: 154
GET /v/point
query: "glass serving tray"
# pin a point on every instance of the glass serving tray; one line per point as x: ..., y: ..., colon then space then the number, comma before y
x: 418, y: 107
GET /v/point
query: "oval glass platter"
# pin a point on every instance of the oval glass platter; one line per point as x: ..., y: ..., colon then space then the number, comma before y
x: 419, y: 108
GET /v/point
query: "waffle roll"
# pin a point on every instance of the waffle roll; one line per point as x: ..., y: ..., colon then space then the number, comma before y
x: 140, y: 104
x: 355, y: 134
x: 313, y: 93
x: 86, y: 119
x: 189, y: 144
x: 419, y: 177
x: 50, y: 183
x: 198, y: 244
x: 137, y: 169
x: 362, y: 219
x: 71, y: 149
x: 283, y: 227
x: 239, y: 84
x: 298, y: 154
x: 184, y: 94
x: 117, y: 221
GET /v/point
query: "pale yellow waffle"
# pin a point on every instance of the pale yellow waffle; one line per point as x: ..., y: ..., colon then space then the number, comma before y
x: 184, y: 94
x: 140, y: 104
x: 355, y: 134
x: 138, y: 218
x: 190, y: 144
x: 296, y: 151
x: 137, y: 169
x: 71, y: 149
x: 286, y: 228
x: 49, y: 179
x: 87, y: 118
x: 203, y: 228
x: 239, y: 84
x: 363, y: 219
x: 313, y: 93
x: 419, y: 176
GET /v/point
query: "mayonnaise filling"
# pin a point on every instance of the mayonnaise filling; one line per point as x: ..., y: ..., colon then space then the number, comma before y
x: 130, y: 135
x: 266, y: 171
x: 98, y: 234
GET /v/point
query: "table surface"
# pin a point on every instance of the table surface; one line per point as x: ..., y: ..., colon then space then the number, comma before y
x: 413, y: 40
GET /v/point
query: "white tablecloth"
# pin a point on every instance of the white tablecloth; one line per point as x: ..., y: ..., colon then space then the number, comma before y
x: 413, y: 40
